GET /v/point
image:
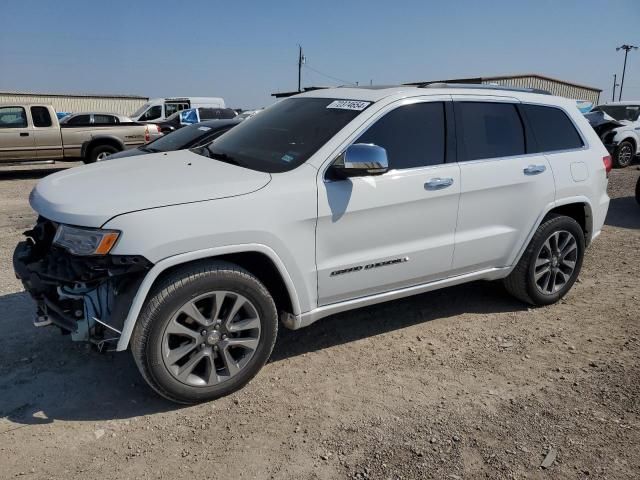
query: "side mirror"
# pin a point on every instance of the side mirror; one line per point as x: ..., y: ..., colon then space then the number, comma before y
x: 361, y: 159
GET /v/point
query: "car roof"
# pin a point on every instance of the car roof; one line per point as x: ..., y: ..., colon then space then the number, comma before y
x: 218, y: 123
x: 376, y: 93
x: 621, y: 103
x: 97, y: 113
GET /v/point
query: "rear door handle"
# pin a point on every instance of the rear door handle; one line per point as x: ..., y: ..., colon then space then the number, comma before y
x: 534, y: 169
x: 24, y: 134
x: 438, y: 183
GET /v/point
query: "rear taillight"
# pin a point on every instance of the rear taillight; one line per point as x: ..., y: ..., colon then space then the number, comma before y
x: 147, y: 137
x: 158, y: 128
x: 608, y: 164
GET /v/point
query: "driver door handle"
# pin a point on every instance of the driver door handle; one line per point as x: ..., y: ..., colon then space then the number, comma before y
x: 438, y: 183
x: 534, y: 169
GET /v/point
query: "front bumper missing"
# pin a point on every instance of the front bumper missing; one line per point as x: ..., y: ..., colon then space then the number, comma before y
x: 86, y: 296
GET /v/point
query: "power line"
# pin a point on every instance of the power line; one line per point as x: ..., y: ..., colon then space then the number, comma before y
x: 335, y: 79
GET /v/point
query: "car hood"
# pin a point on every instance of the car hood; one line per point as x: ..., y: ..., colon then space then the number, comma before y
x: 90, y: 195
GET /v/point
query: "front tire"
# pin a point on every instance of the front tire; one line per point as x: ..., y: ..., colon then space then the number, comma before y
x: 624, y: 154
x: 551, y: 263
x: 204, y: 332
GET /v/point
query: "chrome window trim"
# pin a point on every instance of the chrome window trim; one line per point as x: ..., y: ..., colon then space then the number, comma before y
x: 584, y: 147
x: 585, y: 143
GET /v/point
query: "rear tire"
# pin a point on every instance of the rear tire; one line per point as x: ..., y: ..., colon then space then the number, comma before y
x: 548, y: 267
x: 217, y: 348
x: 100, y: 153
x: 624, y: 154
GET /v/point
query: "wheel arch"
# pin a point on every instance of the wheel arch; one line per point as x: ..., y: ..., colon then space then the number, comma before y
x: 101, y: 140
x: 578, y: 208
x: 581, y: 212
x: 628, y: 136
x: 260, y: 260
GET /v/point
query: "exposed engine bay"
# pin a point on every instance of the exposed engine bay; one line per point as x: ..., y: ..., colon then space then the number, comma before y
x: 87, y: 297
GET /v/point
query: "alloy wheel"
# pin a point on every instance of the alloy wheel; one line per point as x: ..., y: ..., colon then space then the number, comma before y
x: 555, y: 262
x: 211, y: 338
x: 625, y: 154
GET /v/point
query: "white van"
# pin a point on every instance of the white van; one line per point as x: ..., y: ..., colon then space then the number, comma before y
x: 161, y: 108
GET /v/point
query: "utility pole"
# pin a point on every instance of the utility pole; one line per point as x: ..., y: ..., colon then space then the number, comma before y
x: 626, y: 49
x: 301, y: 61
x: 613, y: 95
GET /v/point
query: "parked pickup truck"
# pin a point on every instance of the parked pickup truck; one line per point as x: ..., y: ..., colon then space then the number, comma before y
x: 32, y: 133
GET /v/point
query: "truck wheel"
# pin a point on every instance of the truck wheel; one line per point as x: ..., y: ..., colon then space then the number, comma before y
x: 100, y: 153
x: 551, y: 263
x: 624, y: 154
x: 204, y: 332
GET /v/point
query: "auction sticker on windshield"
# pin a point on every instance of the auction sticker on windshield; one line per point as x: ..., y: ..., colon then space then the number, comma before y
x: 349, y: 104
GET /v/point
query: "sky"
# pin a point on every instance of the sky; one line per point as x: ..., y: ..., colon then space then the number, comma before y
x: 245, y: 50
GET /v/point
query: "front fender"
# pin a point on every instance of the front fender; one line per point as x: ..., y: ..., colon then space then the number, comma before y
x: 163, y: 265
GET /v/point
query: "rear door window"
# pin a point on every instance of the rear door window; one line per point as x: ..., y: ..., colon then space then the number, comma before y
x: 13, y: 117
x: 79, y: 120
x: 152, y: 114
x: 41, y: 117
x: 552, y: 129
x: 101, y: 119
x: 488, y: 130
x: 170, y: 109
x: 413, y: 135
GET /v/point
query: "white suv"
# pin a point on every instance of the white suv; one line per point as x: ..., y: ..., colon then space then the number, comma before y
x: 325, y: 202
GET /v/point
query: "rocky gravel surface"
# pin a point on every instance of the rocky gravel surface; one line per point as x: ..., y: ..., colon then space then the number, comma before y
x: 461, y: 383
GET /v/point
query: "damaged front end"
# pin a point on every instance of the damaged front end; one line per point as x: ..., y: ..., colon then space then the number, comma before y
x: 606, y: 128
x: 87, y: 296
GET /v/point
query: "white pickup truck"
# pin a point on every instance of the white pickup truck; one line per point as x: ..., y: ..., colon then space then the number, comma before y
x: 32, y: 133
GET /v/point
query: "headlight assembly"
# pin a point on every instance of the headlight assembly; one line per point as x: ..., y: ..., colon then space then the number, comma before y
x: 85, y: 241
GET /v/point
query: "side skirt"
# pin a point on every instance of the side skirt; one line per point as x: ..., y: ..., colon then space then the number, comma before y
x: 294, y: 322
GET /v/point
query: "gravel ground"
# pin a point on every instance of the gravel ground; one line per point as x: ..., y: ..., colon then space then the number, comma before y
x: 460, y: 383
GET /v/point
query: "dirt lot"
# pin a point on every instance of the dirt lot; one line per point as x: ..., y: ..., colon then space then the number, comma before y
x: 460, y: 383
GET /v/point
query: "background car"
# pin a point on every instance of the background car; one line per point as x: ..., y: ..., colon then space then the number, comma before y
x: 249, y: 113
x: 622, y: 140
x: 190, y: 136
x: 93, y: 118
x: 194, y: 115
x: 157, y: 109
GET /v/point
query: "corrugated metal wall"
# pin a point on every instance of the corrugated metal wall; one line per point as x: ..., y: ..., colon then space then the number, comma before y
x: 124, y: 105
x: 556, y: 88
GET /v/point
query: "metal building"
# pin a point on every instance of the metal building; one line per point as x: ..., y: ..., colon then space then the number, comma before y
x: 557, y: 87
x: 121, y: 104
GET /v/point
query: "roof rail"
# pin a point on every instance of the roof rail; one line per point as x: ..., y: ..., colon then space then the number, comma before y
x: 481, y: 86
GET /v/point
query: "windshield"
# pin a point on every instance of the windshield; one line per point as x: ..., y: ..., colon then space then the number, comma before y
x: 140, y: 110
x: 285, y: 135
x: 620, y: 112
x: 182, y: 138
